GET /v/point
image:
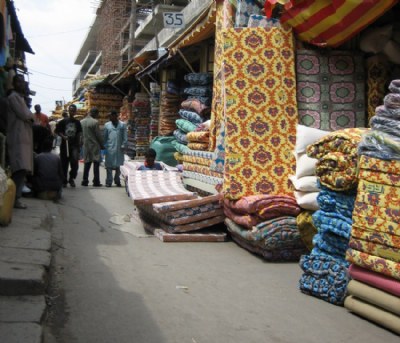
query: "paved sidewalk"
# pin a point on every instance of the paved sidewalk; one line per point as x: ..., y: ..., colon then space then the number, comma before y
x: 24, y: 266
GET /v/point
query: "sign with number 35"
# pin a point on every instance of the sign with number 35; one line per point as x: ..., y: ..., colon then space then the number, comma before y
x: 174, y: 20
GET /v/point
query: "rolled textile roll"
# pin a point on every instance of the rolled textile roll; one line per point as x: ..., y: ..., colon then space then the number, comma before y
x: 373, y: 313
x: 378, y: 280
x: 374, y: 296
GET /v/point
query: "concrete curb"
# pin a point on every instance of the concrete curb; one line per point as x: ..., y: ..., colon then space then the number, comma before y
x: 24, y: 264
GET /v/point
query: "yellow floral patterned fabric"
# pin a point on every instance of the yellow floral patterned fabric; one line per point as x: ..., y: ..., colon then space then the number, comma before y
x: 375, y: 236
x: 392, y: 254
x: 198, y: 146
x: 196, y: 160
x: 374, y: 263
x: 260, y: 111
x: 377, y: 79
x: 377, y: 224
x: 223, y: 21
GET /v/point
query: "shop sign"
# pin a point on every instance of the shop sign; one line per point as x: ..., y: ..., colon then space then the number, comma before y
x: 174, y: 20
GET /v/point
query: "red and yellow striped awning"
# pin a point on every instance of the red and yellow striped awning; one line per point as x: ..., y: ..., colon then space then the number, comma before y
x: 333, y: 22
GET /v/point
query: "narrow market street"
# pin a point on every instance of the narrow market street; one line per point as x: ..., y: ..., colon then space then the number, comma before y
x: 111, y: 282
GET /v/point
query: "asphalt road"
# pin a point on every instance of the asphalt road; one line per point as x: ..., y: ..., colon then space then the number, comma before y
x: 113, y: 283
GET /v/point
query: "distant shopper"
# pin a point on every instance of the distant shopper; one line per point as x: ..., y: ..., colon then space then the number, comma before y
x: 150, y: 161
x: 48, y: 176
x: 40, y: 118
x: 115, y: 139
x: 19, y: 137
x: 70, y: 131
x: 92, y: 144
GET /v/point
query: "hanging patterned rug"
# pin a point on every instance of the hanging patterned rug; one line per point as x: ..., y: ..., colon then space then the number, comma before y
x: 330, y: 89
x: 260, y: 111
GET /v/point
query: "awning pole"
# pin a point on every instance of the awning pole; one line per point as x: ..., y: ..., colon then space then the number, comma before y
x: 149, y: 75
x: 186, y: 61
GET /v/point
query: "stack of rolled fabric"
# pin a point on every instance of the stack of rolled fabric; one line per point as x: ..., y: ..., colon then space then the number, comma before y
x: 141, y: 109
x: 374, y: 247
x: 200, y: 87
x: 325, y: 268
x: 266, y: 225
x: 193, y: 133
x: 184, y: 216
x: 305, y: 179
x: 383, y: 141
x: 194, y: 112
x: 169, y: 107
x: 155, y: 91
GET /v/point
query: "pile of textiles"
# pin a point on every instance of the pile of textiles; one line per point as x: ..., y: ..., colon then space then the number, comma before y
x: 383, y: 141
x: 325, y: 268
x: 337, y: 158
x: 141, y: 112
x: 183, y: 216
x: 151, y: 186
x: 245, y: 9
x: 104, y: 99
x: 197, y: 164
x: 375, y: 297
x: 125, y: 110
x: 374, y: 248
x: 305, y: 180
x: 194, y: 112
x: 330, y: 89
x: 169, y: 107
x: 266, y: 225
x: 155, y: 91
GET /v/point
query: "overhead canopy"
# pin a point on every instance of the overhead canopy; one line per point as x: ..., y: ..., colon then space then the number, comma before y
x: 152, y: 67
x: 202, y: 28
x: 21, y: 43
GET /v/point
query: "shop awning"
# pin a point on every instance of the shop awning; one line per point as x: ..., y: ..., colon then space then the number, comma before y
x: 202, y: 28
x: 152, y: 67
x: 21, y: 43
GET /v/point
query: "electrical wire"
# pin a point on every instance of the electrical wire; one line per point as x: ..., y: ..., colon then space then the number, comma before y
x: 49, y: 75
x: 52, y: 89
x: 59, y: 33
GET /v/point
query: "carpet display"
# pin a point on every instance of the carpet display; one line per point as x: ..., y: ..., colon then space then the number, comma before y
x: 261, y: 111
x: 148, y: 187
x: 330, y: 89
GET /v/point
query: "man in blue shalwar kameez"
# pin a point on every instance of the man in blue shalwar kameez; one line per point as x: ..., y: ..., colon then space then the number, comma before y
x: 115, y: 139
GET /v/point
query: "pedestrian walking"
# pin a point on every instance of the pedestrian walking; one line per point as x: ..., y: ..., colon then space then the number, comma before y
x: 92, y: 145
x: 40, y: 118
x: 19, y: 137
x: 70, y: 131
x: 115, y: 139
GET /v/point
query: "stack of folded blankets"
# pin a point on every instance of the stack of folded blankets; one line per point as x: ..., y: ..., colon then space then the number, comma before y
x: 141, y: 110
x: 155, y: 91
x: 185, y: 215
x: 169, y: 107
x: 305, y: 179
x: 165, y: 205
x: 325, y: 268
x: 194, y: 112
x: 266, y: 225
x: 193, y: 133
x: 196, y: 165
x: 374, y: 248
